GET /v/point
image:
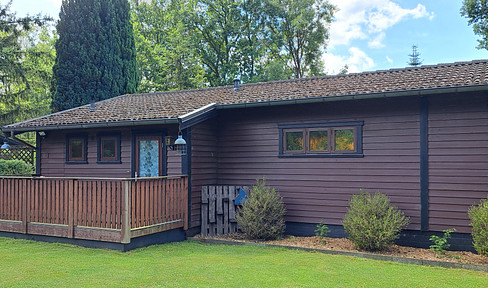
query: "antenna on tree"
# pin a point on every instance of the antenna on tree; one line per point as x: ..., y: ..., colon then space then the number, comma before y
x: 414, y: 57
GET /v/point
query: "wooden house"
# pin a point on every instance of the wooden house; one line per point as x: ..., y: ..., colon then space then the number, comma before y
x: 418, y: 135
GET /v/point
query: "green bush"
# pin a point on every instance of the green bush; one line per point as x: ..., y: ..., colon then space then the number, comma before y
x: 479, y: 221
x: 15, y: 167
x: 262, y: 216
x: 371, y: 222
x: 441, y: 244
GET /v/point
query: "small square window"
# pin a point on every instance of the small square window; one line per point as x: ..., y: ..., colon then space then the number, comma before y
x: 319, y: 140
x: 344, y: 140
x: 294, y: 141
x: 108, y: 149
x: 76, y: 149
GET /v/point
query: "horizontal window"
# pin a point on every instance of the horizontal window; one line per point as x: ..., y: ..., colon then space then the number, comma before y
x: 321, y: 139
x: 76, y: 146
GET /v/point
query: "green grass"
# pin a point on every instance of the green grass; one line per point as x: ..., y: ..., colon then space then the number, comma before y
x: 190, y: 264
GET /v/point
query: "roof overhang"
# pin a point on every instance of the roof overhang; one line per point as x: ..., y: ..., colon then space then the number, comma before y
x: 125, y: 123
x: 197, y: 116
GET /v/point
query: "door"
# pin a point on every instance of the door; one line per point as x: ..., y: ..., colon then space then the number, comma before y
x: 149, y: 155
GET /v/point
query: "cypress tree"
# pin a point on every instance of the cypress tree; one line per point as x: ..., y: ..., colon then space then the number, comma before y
x: 95, y: 53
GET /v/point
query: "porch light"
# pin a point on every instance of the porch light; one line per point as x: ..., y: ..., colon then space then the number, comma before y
x: 180, y: 145
x: 5, y: 145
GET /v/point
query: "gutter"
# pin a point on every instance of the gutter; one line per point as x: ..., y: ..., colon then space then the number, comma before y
x: 126, y: 123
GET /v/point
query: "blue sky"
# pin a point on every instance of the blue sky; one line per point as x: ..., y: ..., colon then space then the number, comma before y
x: 373, y: 34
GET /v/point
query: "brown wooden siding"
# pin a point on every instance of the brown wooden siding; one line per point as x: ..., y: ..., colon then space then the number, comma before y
x: 53, y: 156
x: 173, y: 163
x: 316, y: 189
x: 204, y: 163
x: 458, y: 159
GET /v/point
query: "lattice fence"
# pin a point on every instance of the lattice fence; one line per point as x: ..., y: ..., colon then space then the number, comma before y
x: 18, y: 153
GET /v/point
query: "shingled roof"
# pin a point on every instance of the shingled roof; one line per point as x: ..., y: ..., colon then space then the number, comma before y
x: 166, y: 107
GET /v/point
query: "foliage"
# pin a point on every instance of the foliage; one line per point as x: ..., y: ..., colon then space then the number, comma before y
x: 479, y: 221
x: 15, y: 167
x: 322, y: 231
x: 441, y: 244
x: 95, y: 52
x: 262, y: 216
x: 414, y: 57
x: 260, y: 40
x: 477, y: 13
x: 165, y: 56
x: 39, y: 264
x: 23, y: 60
x: 299, y: 27
x: 371, y: 222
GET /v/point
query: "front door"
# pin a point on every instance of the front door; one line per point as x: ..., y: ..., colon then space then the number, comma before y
x: 149, y: 155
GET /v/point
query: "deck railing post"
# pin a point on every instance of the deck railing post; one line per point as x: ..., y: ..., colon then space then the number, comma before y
x: 126, y: 209
x: 24, y: 206
x: 71, y: 208
x: 185, y: 202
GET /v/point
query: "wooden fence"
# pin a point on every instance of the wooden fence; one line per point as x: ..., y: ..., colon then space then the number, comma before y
x: 219, y: 210
x: 113, y: 210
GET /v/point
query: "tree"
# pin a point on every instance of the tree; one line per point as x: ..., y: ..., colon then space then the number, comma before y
x: 299, y: 27
x: 22, y: 62
x: 477, y: 13
x: 217, y: 28
x: 95, y: 52
x: 414, y: 57
x: 165, y: 54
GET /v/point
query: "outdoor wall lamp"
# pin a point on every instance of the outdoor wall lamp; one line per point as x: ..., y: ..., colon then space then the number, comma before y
x: 179, y: 145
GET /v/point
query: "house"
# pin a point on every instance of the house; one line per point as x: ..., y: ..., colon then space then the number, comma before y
x: 417, y: 134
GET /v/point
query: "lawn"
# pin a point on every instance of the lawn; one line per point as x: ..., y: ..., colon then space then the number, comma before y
x: 191, y: 264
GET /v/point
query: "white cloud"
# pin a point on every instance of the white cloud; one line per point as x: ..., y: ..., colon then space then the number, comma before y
x: 389, y: 60
x: 356, y: 61
x: 377, y: 41
x: 367, y: 20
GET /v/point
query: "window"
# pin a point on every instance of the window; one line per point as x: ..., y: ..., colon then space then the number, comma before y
x: 108, y: 150
x: 76, y: 149
x: 321, y: 140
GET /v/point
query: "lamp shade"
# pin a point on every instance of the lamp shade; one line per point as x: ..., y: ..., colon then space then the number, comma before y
x: 5, y: 145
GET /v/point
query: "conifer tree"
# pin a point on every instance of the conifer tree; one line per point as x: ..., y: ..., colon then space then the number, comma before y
x: 414, y: 57
x: 95, y: 52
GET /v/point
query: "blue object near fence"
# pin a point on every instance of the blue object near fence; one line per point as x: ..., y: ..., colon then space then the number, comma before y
x: 241, y: 198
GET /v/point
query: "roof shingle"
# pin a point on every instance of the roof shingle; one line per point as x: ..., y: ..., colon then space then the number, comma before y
x: 171, y: 105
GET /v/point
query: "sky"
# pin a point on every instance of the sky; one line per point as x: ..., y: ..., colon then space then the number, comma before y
x: 369, y: 35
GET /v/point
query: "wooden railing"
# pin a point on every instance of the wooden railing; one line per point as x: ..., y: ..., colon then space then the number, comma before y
x: 105, y: 209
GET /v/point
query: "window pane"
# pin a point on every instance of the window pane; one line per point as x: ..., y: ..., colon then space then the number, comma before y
x: 294, y: 141
x: 108, y: 148
x: 76, y: 148
x: 319, y: 140
x: 149, y: 158
x: 344, y: 140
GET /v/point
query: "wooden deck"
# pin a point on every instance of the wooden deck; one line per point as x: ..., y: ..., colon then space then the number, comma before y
x: 102, y: 209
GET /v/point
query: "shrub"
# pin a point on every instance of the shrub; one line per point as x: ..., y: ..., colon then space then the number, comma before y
x: 262, y: 216
x: 322, y: 231
x: 15, y: 167
x: 441, y: 244
x: 371, y: 222
x: 479, y: 221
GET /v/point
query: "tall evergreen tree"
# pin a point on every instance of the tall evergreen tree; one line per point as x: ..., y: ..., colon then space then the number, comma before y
x: 414, y: 57
x: 95, y: 52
